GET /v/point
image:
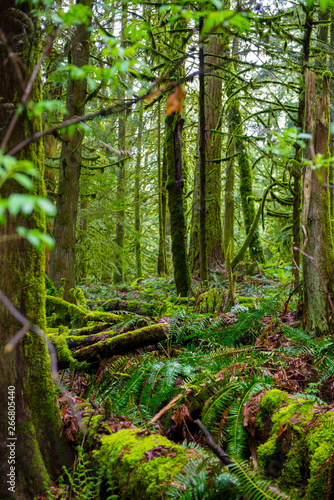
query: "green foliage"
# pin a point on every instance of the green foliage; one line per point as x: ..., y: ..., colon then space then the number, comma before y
x: 84, y: 482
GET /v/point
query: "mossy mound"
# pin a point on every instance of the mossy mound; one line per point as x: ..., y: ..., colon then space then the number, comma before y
x: 300, y: 448
x: 211, y: 301
x: 143, y: 463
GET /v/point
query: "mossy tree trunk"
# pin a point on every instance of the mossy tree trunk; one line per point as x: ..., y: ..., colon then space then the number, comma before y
x: 162, y: 260
x: 245, y: 173
x: 62, y: 263
x: 39, y: 448
x: 202, y: 121
x: 316, y: 210
x: 121, y: 186
x: 175, y: 184
x: 139, y: 270
x: 213, y: 149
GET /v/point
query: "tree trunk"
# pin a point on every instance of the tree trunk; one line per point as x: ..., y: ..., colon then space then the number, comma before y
x: 175, y: 183
x: 121, y: 187
x: 245, y: 173
x: 139, y: 270
x: 212, y: 103
x: 62, y: 264
x: 162, y: 258
x: 202, y: 169
x: 316, y: 210
x: 38, y: 448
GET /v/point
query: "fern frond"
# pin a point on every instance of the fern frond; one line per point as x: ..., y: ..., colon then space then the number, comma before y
x: 236, y: 442
x: 253, y: 488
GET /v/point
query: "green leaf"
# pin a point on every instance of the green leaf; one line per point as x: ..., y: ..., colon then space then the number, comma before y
x: 47, y: 206
x: 24, y: 180
x: 20, y: 202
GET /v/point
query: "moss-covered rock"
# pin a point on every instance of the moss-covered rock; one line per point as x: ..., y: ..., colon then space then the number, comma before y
x: 301, y: 440
x: 143, y: 464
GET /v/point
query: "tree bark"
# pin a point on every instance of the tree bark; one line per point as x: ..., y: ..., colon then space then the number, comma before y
x: 213, y: 150
x: 62, y: 263
x: 162, y: 258
x: 246, y: 175
x: 139, y: 269
x: 175, y: 183
x: 316, y: 209
x: 121, y: 185
x: 39, y: 449
x: 202, y: 169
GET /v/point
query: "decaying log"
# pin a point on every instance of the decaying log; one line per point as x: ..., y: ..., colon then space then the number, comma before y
x: 123, y: 343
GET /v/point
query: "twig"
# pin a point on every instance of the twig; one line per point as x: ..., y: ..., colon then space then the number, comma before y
x: 217, y: 450
x: 319, y: 274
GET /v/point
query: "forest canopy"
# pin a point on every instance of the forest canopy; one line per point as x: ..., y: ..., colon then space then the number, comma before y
x: 166, y: 249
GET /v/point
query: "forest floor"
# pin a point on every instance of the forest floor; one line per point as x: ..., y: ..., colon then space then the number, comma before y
x: 146, y: 369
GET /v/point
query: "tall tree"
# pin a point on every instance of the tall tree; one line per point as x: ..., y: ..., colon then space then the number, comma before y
x: 39, y: 447
x: 62, y: 263
x: 162, y: 176
x: 316, y: 209
x: 139, y: 269
x: 213, y: 48
x: 175, y: 184
x: 121, y: 182
x: 245, y: 171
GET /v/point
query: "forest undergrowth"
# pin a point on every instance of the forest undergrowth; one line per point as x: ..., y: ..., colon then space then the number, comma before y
x: 262, y: 387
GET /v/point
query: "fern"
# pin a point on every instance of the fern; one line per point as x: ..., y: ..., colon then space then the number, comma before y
x: 252, y: 488
x: 237, y: 436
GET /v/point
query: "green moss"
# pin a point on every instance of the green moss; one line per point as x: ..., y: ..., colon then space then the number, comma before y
x: 50, y: 288
x: 209, y: 302
x: 106, y: 317
x: 272, y: 400
x: 167, y: 308
x: 311, y: 446
x: 124, y: 453
x: 136, y: 306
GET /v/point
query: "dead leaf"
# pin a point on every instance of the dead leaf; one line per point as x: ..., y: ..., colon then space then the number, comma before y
x: 174, y: 101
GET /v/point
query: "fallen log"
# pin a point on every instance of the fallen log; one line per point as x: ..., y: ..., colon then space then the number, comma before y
x: 86, y: 340
x: 123, y: 343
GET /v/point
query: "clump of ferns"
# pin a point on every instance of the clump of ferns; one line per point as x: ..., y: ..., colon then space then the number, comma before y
x: 206, y: 479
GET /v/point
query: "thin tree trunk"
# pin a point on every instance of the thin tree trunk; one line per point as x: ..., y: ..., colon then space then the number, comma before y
x: 175, y: 183
x: 121, y: 187
x: 213, y: 152
x: 202, y: 170
x: 162, y: 259
x: 246, y: 175
x: 62, y: 263
x: 37, y: 448
x: 139, y: 270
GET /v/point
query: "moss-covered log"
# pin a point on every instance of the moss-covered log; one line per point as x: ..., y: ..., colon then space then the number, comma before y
x: 299, y: 442
x: 72, y: 315
x: 123, y: 343
x: 134, y: 306
x: 143, y: 464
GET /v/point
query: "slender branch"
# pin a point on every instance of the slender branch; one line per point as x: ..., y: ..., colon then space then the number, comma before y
x: 217, y: 450
x: 28, y: 326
